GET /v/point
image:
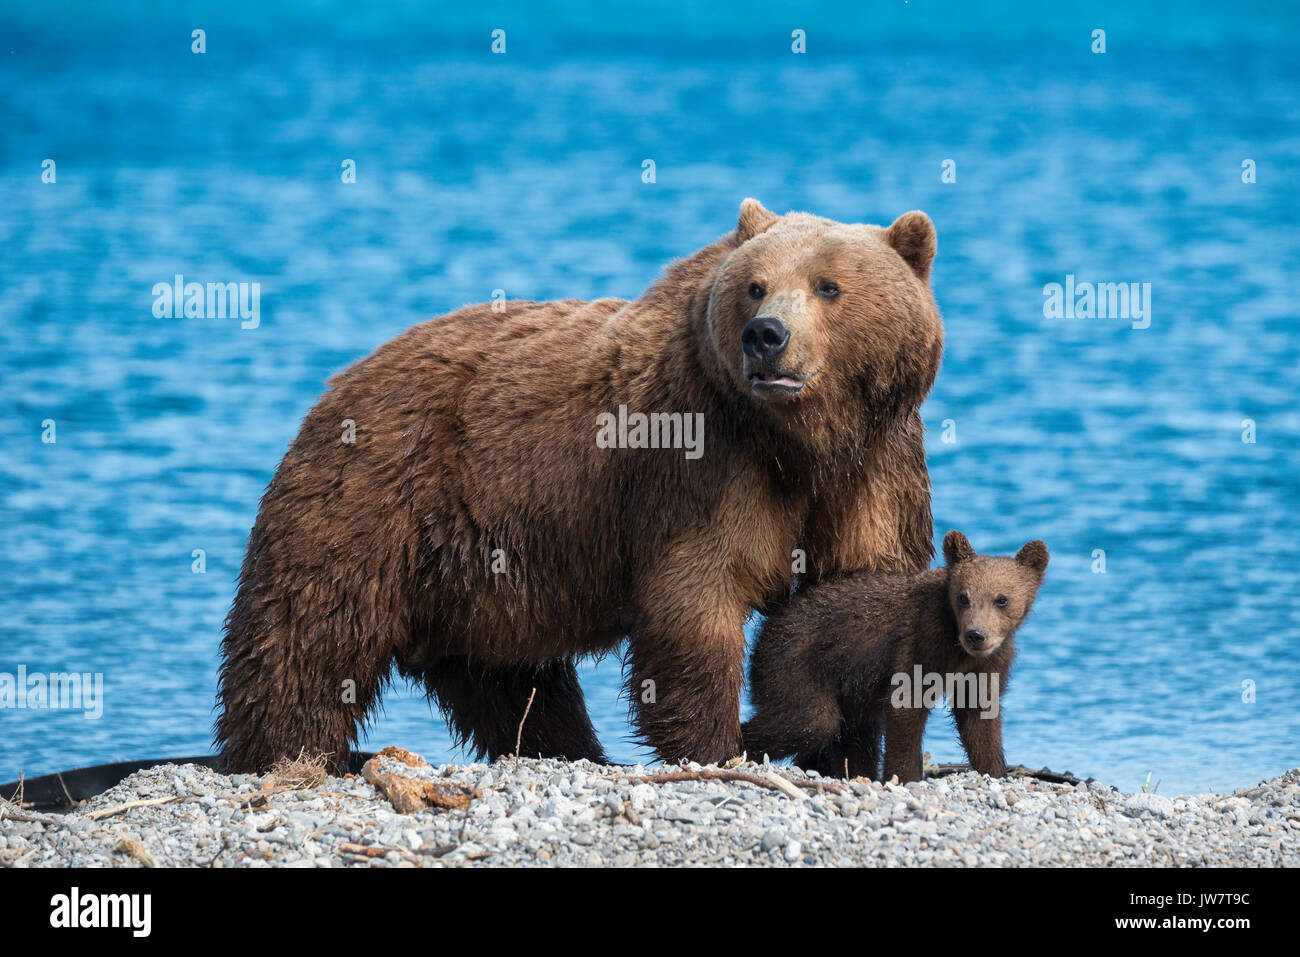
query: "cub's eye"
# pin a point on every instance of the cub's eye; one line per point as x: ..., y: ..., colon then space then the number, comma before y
x: 963, y: 600
x: 1002, y: 601
x: 827, y: 289
x: 756, y: 291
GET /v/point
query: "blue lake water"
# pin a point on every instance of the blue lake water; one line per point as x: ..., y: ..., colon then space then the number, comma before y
x: 523, y: 172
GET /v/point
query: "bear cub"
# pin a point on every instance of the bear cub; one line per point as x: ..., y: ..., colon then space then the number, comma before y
x: 851, y: 659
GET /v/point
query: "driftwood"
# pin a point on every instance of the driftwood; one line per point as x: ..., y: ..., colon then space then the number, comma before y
x: 1017, y: 771
x: 773, y: 782
x: 408, y: 795
x: 776, y: 782
x: 119, y: 808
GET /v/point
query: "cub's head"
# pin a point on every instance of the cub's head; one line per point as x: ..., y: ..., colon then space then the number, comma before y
x: 810, y: 316
x: 990, y: 595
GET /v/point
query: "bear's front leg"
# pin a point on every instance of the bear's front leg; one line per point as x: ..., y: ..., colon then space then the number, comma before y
x: 982, y: 738
x: 687, y: 669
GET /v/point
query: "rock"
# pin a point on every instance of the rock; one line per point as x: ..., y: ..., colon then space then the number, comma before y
x: 1156, y: 804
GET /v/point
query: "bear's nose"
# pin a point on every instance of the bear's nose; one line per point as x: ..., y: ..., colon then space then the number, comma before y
x: 975, y: 638
x: 764, y: 337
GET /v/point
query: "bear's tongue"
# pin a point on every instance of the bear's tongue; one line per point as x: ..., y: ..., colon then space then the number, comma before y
x: 784, y: 380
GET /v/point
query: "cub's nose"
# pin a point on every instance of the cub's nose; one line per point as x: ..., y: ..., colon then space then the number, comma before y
x: 764, y: 337
x: 975, y: 638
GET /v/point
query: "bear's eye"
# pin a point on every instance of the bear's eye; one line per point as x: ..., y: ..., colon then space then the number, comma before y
x: 827, y: 289
x: 756, y: 291
x: 963, y: 600
x: 1002, y: 601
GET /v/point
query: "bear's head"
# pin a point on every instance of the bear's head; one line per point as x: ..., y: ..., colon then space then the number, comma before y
x: 990, y: 595
x: 821, y: 322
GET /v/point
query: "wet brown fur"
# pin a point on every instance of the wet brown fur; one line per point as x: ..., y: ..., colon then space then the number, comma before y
x: 822, y: 667
x: 476, y: 431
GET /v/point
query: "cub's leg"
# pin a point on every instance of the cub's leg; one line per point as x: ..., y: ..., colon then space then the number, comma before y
x: 803, y: 727
x: 904, y: 729
x: 982, y: 739
x: 484, y: 705
x: 857, y: 748
x: 854, y: 754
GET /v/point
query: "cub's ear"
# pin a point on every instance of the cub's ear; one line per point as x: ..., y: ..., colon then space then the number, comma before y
x: 956, y: 548
x: 1033, y: 556
x: 754, y: 219
x: 912, y: 236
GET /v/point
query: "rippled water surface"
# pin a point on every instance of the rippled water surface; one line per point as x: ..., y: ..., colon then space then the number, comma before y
x: 524, y: 173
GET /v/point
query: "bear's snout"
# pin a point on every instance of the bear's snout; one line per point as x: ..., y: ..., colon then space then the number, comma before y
x: 764, y: 338
x: 977, y: 642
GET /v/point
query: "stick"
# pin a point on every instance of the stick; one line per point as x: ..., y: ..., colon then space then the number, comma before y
x: 519, y: 735
x: 247, y: 803
x: 12, y: 812
x: 119, y: 808
x: 71, y: 803
x: 773, y: 782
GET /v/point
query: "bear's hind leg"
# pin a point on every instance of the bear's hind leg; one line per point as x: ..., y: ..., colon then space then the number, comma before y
x: 279, y: 697
x: 484, y: 705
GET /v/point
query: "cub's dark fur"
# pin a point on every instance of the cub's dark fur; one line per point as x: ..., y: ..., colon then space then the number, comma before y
x: 823, y: 668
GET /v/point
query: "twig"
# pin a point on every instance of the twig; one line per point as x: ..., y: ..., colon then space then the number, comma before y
x: 369, y: 850
x: 119, y: 808
x: 773, y: 782
x: 14, y: 812
x: 437, y: 851
x: 71, y: 803
x: 225, y: 843
x: 519, y: 735
x: 247, y: 804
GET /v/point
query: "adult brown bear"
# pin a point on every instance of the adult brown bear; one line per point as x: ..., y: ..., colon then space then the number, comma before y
x: 452, y: 505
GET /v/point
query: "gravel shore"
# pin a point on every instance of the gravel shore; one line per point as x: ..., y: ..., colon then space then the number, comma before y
x: 556, y: 813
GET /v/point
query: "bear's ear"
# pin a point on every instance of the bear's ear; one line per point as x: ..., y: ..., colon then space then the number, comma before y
x: 754, y: 219
x: 912, y: 236
x: 1033, y: 556
x: 956, y: 548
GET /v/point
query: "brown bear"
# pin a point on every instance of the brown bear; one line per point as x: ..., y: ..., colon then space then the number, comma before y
x: 867, y: 654
x: 453, y: 507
